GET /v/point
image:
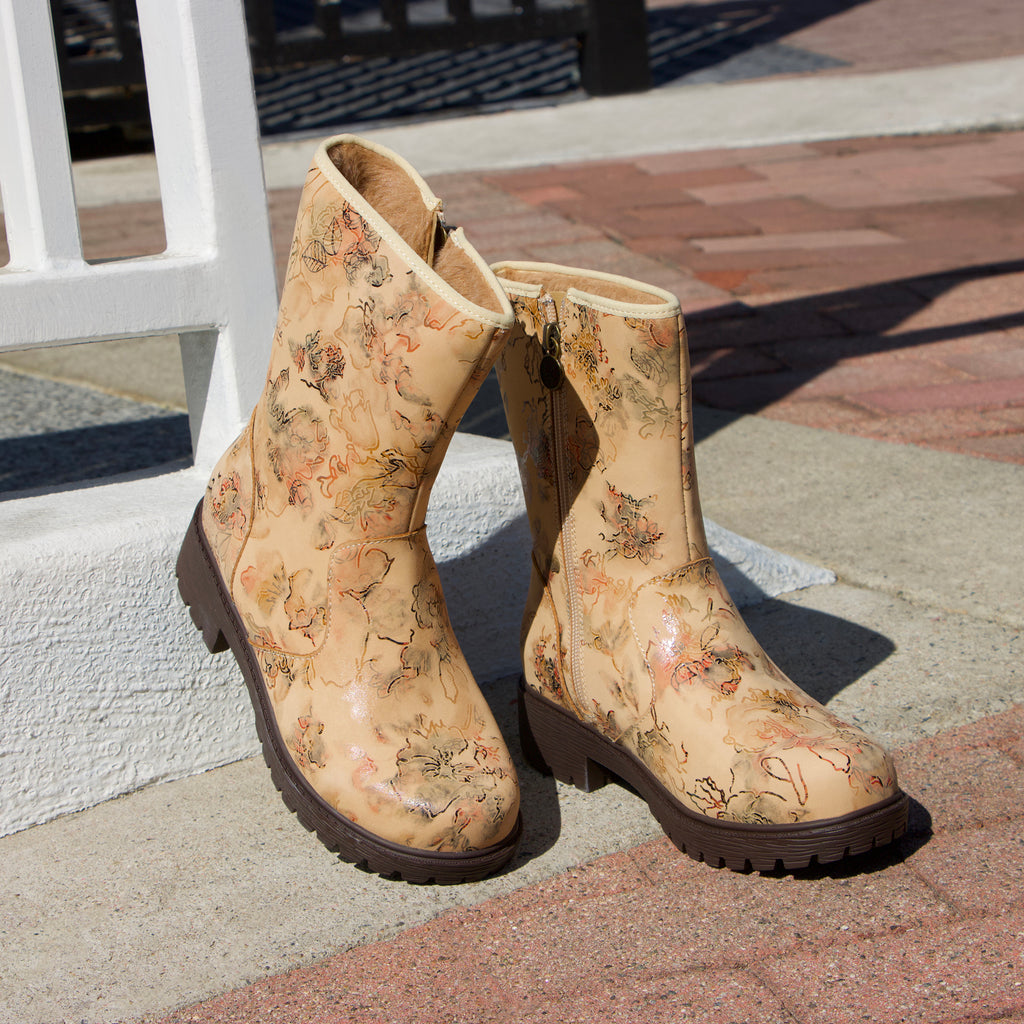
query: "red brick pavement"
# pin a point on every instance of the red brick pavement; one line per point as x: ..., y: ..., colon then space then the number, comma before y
x: 930, y: 932
x: 880, y: 35
x: 872, y: 286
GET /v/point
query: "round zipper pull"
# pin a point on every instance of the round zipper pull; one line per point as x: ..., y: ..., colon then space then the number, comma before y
x: 551, y: 372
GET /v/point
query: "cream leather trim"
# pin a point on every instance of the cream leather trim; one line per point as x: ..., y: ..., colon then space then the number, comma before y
x: 668, y: 308
x: 516, y: 287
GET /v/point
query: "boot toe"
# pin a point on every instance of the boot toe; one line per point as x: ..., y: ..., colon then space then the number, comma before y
x: 832, y: 782
x: 471, y: 819
x: 445, y: 792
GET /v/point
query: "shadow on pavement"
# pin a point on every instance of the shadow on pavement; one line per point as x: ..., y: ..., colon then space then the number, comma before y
x: 749, y: 357
x: 794, y: 342
x: 92, y: 455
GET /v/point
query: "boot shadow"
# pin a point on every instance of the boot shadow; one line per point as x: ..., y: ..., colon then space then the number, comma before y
x: 822, y: 653
x: 918, y: 835
x: 507, y: 557
x: 538, y: 792
x: 496, y: 661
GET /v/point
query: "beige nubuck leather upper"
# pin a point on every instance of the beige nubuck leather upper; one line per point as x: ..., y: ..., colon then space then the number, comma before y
x: 316, y: 513
x: 628, y: 624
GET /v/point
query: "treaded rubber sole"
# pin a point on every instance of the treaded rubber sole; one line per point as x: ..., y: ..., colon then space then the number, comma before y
x: 203, y: 590
x: 556, y: 742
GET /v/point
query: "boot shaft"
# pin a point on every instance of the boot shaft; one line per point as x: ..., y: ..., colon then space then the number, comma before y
x: 595, y: 380
x: 388, y: 323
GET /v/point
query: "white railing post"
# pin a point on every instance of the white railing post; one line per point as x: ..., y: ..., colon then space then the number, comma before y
x: 206, y: 137
x: 214, y: 284
x: 35, y: 165
x: 97, y: 654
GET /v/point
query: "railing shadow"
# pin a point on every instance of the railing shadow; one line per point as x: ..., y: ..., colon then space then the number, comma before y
x: 807, y: 336
x: 92, y: 455
x: 734, y: 40
x: 798, y: 340
x: 715, y: 42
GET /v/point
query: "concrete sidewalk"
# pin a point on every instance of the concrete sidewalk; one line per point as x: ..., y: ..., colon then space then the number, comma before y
x: 194, y: 888
x: 871, y: 286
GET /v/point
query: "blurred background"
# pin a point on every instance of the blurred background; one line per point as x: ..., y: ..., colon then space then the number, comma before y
x: 323, y: 63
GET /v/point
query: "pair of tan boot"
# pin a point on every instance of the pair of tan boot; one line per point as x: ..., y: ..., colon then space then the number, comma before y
x: 308, y: 558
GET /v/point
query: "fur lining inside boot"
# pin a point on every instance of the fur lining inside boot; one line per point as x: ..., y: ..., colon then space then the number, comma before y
x: 390, y: 191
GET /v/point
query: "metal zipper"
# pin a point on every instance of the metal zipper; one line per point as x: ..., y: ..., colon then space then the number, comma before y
x: 552, y: 376
x: 551, y: 372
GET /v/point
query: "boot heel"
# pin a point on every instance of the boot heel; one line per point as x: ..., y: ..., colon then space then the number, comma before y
x: 197, y: 587
x: 555, y: 743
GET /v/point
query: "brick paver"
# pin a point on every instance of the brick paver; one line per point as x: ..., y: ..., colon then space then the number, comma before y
x: 857, y: 286
x: 891, y: 34
x: 929, y: 931
x: 972, y: 967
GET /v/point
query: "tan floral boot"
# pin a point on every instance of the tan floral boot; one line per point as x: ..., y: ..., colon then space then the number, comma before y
x: 308, y: 554
x: 636, y: 661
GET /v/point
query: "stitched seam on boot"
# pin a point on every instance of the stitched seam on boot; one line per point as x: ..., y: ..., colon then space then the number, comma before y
x: 252, y: 508
x: 559, y: 632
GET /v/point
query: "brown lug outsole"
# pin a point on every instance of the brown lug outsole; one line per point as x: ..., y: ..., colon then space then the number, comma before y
x: 203, y: 590
x: 556, y: 742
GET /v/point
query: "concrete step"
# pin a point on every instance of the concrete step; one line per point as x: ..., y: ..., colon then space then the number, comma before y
x: 114, y: 687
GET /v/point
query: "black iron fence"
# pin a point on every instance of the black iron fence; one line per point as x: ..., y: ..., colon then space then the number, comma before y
x: 100, y: 57
x: 104, y: 82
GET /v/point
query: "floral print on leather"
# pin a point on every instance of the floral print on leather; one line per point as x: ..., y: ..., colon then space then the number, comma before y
x: 316, y: 520
x: 627, y: 623
x: 778, y: 755
x: 227, y: 508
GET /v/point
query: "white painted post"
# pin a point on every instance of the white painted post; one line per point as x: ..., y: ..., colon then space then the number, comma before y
x: 34, y: 160
x: 214, y: 201
x: 103, y: 688
x: 214, y: 284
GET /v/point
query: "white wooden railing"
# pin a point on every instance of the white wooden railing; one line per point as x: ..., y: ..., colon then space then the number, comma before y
x: 102, y: 686
x: 214, y: 284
